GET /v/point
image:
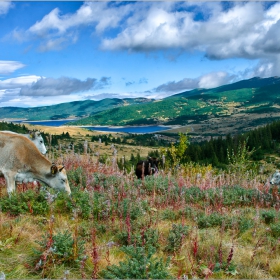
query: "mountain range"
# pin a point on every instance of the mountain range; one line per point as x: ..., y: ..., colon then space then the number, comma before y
x: 240, y: 106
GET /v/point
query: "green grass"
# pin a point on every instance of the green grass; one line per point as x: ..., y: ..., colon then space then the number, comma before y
x: 113, y: 224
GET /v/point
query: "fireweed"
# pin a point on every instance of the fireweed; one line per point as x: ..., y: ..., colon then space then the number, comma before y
x: 209, y: 208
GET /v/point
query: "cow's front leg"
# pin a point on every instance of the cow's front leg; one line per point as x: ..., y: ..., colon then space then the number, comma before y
x: 10, y: 182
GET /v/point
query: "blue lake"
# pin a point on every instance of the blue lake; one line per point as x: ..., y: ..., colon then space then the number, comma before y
x: 127, y: 129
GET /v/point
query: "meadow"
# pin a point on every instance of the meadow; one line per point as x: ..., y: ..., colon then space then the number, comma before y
x: 192, y: 221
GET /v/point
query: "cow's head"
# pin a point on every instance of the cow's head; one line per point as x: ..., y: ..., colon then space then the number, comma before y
x: 153, y: 161
x: 59, y: 179
x: 38, y: 140
x: 275, y: 179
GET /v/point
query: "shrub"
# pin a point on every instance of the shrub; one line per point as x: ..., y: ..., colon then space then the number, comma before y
x: 175, y: 237
x: 148, y: 237
x: 133, y: 209
x: 245, y: 224
x: 268, y: 216
x: 212, y: 220
x: 25, y: 202
x: 194, y: 195
x: 58, y: 249
x: 79, y: 202
x: 170, y: 215
x: 77, y: 177
x: 140, y: 264
x: 275, y: 230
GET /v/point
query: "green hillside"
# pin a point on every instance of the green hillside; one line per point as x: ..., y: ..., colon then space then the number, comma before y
x: 244, y: 84
x: 76, y: 109
x: 226, y: 109
x: 197, y: 105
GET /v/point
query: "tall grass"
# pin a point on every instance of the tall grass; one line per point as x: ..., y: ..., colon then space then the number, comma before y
x: 193, y: 222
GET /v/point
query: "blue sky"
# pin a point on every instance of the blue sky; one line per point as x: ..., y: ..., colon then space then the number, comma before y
x: 54, y: 52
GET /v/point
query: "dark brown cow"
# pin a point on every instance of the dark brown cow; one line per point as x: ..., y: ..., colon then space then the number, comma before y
x: 147, y: 167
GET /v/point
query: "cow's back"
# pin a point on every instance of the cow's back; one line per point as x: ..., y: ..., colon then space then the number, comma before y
x: 17, y: 152
x: 139, y: 169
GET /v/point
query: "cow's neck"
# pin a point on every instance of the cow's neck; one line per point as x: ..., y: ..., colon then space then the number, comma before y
x: 42, y: 171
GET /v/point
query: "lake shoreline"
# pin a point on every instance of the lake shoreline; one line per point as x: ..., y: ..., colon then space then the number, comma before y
x: 139, y: 129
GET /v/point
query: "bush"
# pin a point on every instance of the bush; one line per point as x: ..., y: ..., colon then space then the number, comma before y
x: 170, y: 215
x: 175, y: 237
x: 26, y: 202
x: 133, y: 209
x: 148, y: 237
x: 58, y: 249
x: 275, y: 230
x: 139, y: 264
x: 213, y: 220
x: 245, y: 224
x: 268, y: 216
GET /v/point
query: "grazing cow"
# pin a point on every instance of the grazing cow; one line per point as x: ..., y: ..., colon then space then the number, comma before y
x: 275, y: 179
x: 275, y: 182
x: 21, y: 161
x: 36, y: 138
x: 149, y: 167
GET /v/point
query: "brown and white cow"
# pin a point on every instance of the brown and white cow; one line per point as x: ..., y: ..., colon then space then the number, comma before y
x: 20, y: 161
x: 36, y: 137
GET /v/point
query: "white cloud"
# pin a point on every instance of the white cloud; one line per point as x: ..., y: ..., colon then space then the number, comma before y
x: 39, y: 91
x: 62, y: 86
x: 8, y: 67
x: 214, y: 79
x: 209, y: 80
x: 242, y: 30
x: 185, y: 84
x: 12, y: 99
x: 5, y: 6
x: 18, y: 82
x: 245, y: 30
x: 55, y: 26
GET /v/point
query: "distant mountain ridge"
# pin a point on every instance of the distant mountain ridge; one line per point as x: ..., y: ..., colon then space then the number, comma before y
x: 255, y: 82
x: 75, y: 109
x: 234, y: 107
x: 195, y: 105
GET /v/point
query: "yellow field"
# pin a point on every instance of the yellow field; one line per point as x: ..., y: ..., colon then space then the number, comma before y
x: 81, y: 134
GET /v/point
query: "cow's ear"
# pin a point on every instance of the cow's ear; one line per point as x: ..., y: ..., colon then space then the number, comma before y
x: 54, y: 169
x: 60, y: 168
x: 32, y: 134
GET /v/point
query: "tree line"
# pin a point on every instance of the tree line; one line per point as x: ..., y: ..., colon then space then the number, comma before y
x: 216, y: 151
x: 18, y: 128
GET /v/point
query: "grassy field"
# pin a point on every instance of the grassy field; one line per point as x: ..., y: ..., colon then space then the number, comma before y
x: 192, y: 222
x: 79, y: 135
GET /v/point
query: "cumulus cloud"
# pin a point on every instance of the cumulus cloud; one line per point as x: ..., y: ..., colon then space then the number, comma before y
x: 62, y: 86
x: 209, y: 80
x: 215, y: 79
x: 56, y: 29
x: 12, y: 98
x: 18, y: 82
x: 8, y: 67
x: 244, y: 30
x: 236, y: 30
x: 185, y: 84
x: 5, y: 6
